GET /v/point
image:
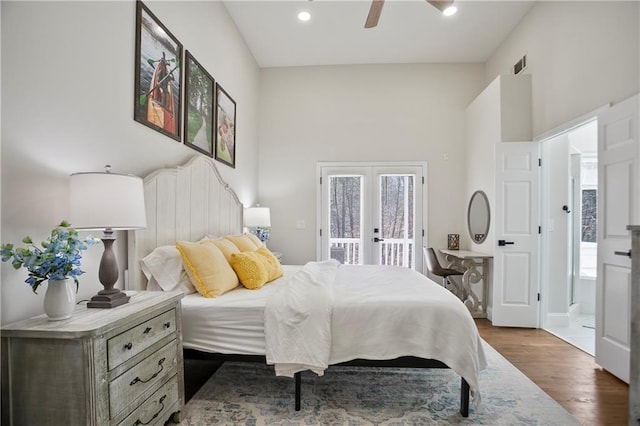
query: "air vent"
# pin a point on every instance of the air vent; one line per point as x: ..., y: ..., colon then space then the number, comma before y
x: 520, y: 66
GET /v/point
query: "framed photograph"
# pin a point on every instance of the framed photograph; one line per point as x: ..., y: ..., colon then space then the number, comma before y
x: 198, y: 114
x: 158, y: 86
x: 225, y: 128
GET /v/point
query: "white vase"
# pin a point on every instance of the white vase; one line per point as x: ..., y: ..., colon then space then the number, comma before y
x: 60, y: 299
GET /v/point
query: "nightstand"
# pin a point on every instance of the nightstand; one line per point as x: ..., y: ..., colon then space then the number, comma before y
x: 100, y: 367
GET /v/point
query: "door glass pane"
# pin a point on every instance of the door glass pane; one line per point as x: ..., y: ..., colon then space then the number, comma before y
x: 397, y: 212
x: 345, y: 219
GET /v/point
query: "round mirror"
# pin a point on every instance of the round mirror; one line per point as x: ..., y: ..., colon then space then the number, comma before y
x: 478, y: 217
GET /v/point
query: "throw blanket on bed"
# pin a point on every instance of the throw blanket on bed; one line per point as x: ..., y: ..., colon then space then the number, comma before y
x: 297, y: 321
x: 329, y: 313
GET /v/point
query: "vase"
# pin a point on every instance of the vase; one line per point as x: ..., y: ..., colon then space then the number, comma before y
x: 60, y: 299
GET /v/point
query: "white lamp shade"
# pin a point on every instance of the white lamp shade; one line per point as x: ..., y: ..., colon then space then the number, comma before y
x: 106, y: 200
x: 257, y: 217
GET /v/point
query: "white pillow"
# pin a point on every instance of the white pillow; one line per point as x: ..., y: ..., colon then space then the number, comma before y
x: 164, y: 266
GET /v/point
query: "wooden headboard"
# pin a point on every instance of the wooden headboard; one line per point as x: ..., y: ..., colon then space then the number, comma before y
x: 183, y: 204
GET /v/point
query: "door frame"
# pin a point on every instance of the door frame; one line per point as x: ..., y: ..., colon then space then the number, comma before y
x: 543, y: 139
x: 372, y: 164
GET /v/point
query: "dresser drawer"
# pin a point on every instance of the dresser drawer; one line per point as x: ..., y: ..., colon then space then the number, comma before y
x: 156, y: 409
x: 141, y: 378
x: 130, y: 343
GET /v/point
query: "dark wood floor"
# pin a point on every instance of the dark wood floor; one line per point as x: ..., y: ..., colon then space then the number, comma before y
x: 564, y: 372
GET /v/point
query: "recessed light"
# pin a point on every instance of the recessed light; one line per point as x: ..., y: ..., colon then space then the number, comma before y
x: 451, y: 10
x: 304, y: 16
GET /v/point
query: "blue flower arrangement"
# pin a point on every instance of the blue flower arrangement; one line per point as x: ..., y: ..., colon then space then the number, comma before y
x: 58, y: 259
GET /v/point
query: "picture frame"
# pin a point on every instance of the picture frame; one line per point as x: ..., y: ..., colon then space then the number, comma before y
x: 199, y: 113
x: 158, y: 79
x: 225, y: 151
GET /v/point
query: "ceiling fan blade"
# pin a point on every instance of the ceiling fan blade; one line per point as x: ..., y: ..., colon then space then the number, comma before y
x: 441, y: 5
x: 374, y: 13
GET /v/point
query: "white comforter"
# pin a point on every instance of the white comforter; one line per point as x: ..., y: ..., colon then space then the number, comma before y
x: 329, y: 313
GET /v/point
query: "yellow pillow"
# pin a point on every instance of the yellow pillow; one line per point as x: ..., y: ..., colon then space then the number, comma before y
x: 207, y: 268
x: 226, y: 247
x: 243, y: 242
x: 255, y: 240
x: 250, y: 268
x: 274, y: 268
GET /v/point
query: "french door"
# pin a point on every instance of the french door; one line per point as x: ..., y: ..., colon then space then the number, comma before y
x: 371, y: 213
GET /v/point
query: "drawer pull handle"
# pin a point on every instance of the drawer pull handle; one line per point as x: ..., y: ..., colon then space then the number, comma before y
x: 139, y: 380
x: 161, y: 402
x: 146, y: 330
x: 128, y: 346
x: 167, y: 324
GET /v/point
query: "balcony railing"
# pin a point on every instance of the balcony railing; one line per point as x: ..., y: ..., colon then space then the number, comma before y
x: 393, y: 251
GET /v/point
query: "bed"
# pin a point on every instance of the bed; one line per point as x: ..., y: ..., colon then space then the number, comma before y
x: 315, y: 315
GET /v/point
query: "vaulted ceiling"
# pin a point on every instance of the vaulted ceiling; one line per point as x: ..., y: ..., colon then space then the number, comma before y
x: 409, y: 31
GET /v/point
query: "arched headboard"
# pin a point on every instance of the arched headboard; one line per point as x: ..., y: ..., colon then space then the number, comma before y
x: 183, y: 204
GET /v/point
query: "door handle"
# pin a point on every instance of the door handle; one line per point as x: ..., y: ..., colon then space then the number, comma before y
x: 377, y: 240
x: 623, y: 253
x: 503, y: 243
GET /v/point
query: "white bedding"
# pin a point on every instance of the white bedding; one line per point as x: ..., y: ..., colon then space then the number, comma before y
x: 368, y: 312
x: 232, y: 323
x: 297, y: 320
x: 416, y: 318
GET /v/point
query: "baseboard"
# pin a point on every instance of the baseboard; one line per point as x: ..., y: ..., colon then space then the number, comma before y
x: 558, y: 320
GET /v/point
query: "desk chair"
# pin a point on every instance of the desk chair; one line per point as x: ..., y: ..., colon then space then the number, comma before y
x: 434, y: 267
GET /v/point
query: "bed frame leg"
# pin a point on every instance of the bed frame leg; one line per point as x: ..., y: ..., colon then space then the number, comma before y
x: 297, y: 379
x: 464, y: 398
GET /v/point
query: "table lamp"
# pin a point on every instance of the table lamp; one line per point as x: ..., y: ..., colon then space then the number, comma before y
x: 108, y: 202
x: 258, y: 220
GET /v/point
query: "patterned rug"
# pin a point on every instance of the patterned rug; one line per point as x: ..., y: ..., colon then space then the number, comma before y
x: 250, y: 394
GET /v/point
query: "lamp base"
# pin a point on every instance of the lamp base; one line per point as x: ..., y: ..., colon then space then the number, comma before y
x: 108, y: 300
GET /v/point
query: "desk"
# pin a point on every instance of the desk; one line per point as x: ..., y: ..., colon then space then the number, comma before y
x: 469, y: 261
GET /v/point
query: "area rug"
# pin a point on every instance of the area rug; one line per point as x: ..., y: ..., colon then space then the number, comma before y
x: 250, y: 394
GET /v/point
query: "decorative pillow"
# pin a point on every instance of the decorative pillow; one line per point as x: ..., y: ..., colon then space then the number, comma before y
x: 207, y: 268
x: 274, y: 268
x: 226, y: 247
x: 255, y: 240
x: 164, y: 266
x: 243, y: 242
x: 250, y: 268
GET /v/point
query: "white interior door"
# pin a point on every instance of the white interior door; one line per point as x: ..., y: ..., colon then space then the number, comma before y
x: 371, y: 213
x: 515, y: 281
x: 618, y: 177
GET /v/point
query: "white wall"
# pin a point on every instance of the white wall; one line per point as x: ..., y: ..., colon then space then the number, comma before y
x: 581, y: 55
x: 67, y: 106
x: 501, y: 113
x: 361, y: 113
